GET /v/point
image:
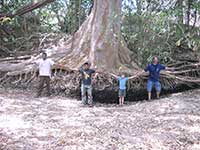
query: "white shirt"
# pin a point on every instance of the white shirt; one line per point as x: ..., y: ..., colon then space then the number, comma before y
x: 45, y: 67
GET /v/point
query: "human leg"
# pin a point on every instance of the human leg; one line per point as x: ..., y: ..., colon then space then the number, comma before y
x: 120, y: 96
x: 40, y: 87
x: 90, y: 98
x: 158, y: 88
x: 83, y: 94
x: 122, y: 101
x: 123, y: 96
x: 149, y: 88
x: 47, y: 81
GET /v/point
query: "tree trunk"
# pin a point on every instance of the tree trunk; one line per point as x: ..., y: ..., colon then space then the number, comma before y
x: 99, y: 39
x: 180, y: 8
x: 139, y: 7
x: 189, y: 3
x: 1, y: 4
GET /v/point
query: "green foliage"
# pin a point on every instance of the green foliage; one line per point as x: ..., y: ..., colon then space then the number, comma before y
x: 156, y: 32
x: 59, y: 16
x: 147, y: 35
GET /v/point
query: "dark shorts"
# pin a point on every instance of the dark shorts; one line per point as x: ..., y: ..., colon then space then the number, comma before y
x: 122, y: 93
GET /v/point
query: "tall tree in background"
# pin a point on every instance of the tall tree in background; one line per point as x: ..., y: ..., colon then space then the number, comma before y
x: 99, y: 39
x: 76, y: 14
x: 74, y: 10
x: 188, y: 9
x: 139, y: 7
x: 180, y: 9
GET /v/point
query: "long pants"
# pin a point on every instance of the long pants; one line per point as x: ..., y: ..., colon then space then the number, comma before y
x: 44, y: 80
x: 86, y: 89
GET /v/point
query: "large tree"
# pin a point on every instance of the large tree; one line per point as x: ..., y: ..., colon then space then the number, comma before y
x: 98, y: 40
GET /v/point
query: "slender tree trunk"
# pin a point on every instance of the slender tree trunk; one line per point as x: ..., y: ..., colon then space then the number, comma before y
x: 27, y: 8
x: 180, y: 8
x: 79, y: 14
x: 139, y: 7
x: 189, y: 3
x: 1, y: 4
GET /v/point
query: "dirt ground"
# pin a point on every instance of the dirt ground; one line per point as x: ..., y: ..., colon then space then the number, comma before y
x: 58, y: 123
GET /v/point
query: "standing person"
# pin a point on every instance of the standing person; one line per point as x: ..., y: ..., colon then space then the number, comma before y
x: 45, y: 66
x: 154, y: 73
x: 122, y: 86
x: 86, y: 85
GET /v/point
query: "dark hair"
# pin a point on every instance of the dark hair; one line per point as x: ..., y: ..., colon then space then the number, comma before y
x: 86, y: 63
x: 154, y: 57
x: 44, y: 53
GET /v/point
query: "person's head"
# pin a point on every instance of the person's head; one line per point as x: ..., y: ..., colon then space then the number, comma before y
x: 44, y: 55
x: 122, y: 75
x: 86, y: 65
x: 155, y: 60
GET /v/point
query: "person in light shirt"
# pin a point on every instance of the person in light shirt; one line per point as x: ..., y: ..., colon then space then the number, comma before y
x: 45, y: 66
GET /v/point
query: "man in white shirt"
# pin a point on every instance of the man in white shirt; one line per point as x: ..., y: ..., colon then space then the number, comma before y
x: 45, y: 66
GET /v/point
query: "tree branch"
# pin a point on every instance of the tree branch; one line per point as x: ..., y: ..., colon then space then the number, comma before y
x: 26, y: 9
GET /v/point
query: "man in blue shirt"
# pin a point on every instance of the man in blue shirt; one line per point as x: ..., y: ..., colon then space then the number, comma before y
x: 122, y: 86
x: 154, y: 74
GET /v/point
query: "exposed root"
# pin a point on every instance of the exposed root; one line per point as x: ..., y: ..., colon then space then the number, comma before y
x: 67, y: 83
x: 66, y: 80
x: 70, y: 80
x: 3, y: 78
x: 19, y: 80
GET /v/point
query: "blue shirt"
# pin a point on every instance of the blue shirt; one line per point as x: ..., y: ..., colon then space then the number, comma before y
x: 122, y: 83
x: 154, y: 71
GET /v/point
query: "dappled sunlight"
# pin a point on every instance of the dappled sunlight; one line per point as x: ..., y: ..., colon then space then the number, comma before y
x: 13, y: 122
x: 194, y: 129
x: 194, y: 147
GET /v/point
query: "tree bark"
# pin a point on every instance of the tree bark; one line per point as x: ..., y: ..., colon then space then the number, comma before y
x: 99, y: 39
x: 189, y: 3
x: 180, y: 7
x: 139, y: 7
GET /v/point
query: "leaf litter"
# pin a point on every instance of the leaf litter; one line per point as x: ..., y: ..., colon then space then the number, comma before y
x: 60, y: 123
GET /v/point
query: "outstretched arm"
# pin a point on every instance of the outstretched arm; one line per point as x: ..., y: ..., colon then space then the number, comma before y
x: 136, y: 75
x: 99, y: 70
x: 81, y: 69
x: 113, y: 75
x: 197, y: 65
x: 147, y: 68
x: 169, y: 68
x: 95, y: 75
x: 132, y: 77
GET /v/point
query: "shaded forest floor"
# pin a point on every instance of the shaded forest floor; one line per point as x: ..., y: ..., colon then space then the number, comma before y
x: 58, y: 123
